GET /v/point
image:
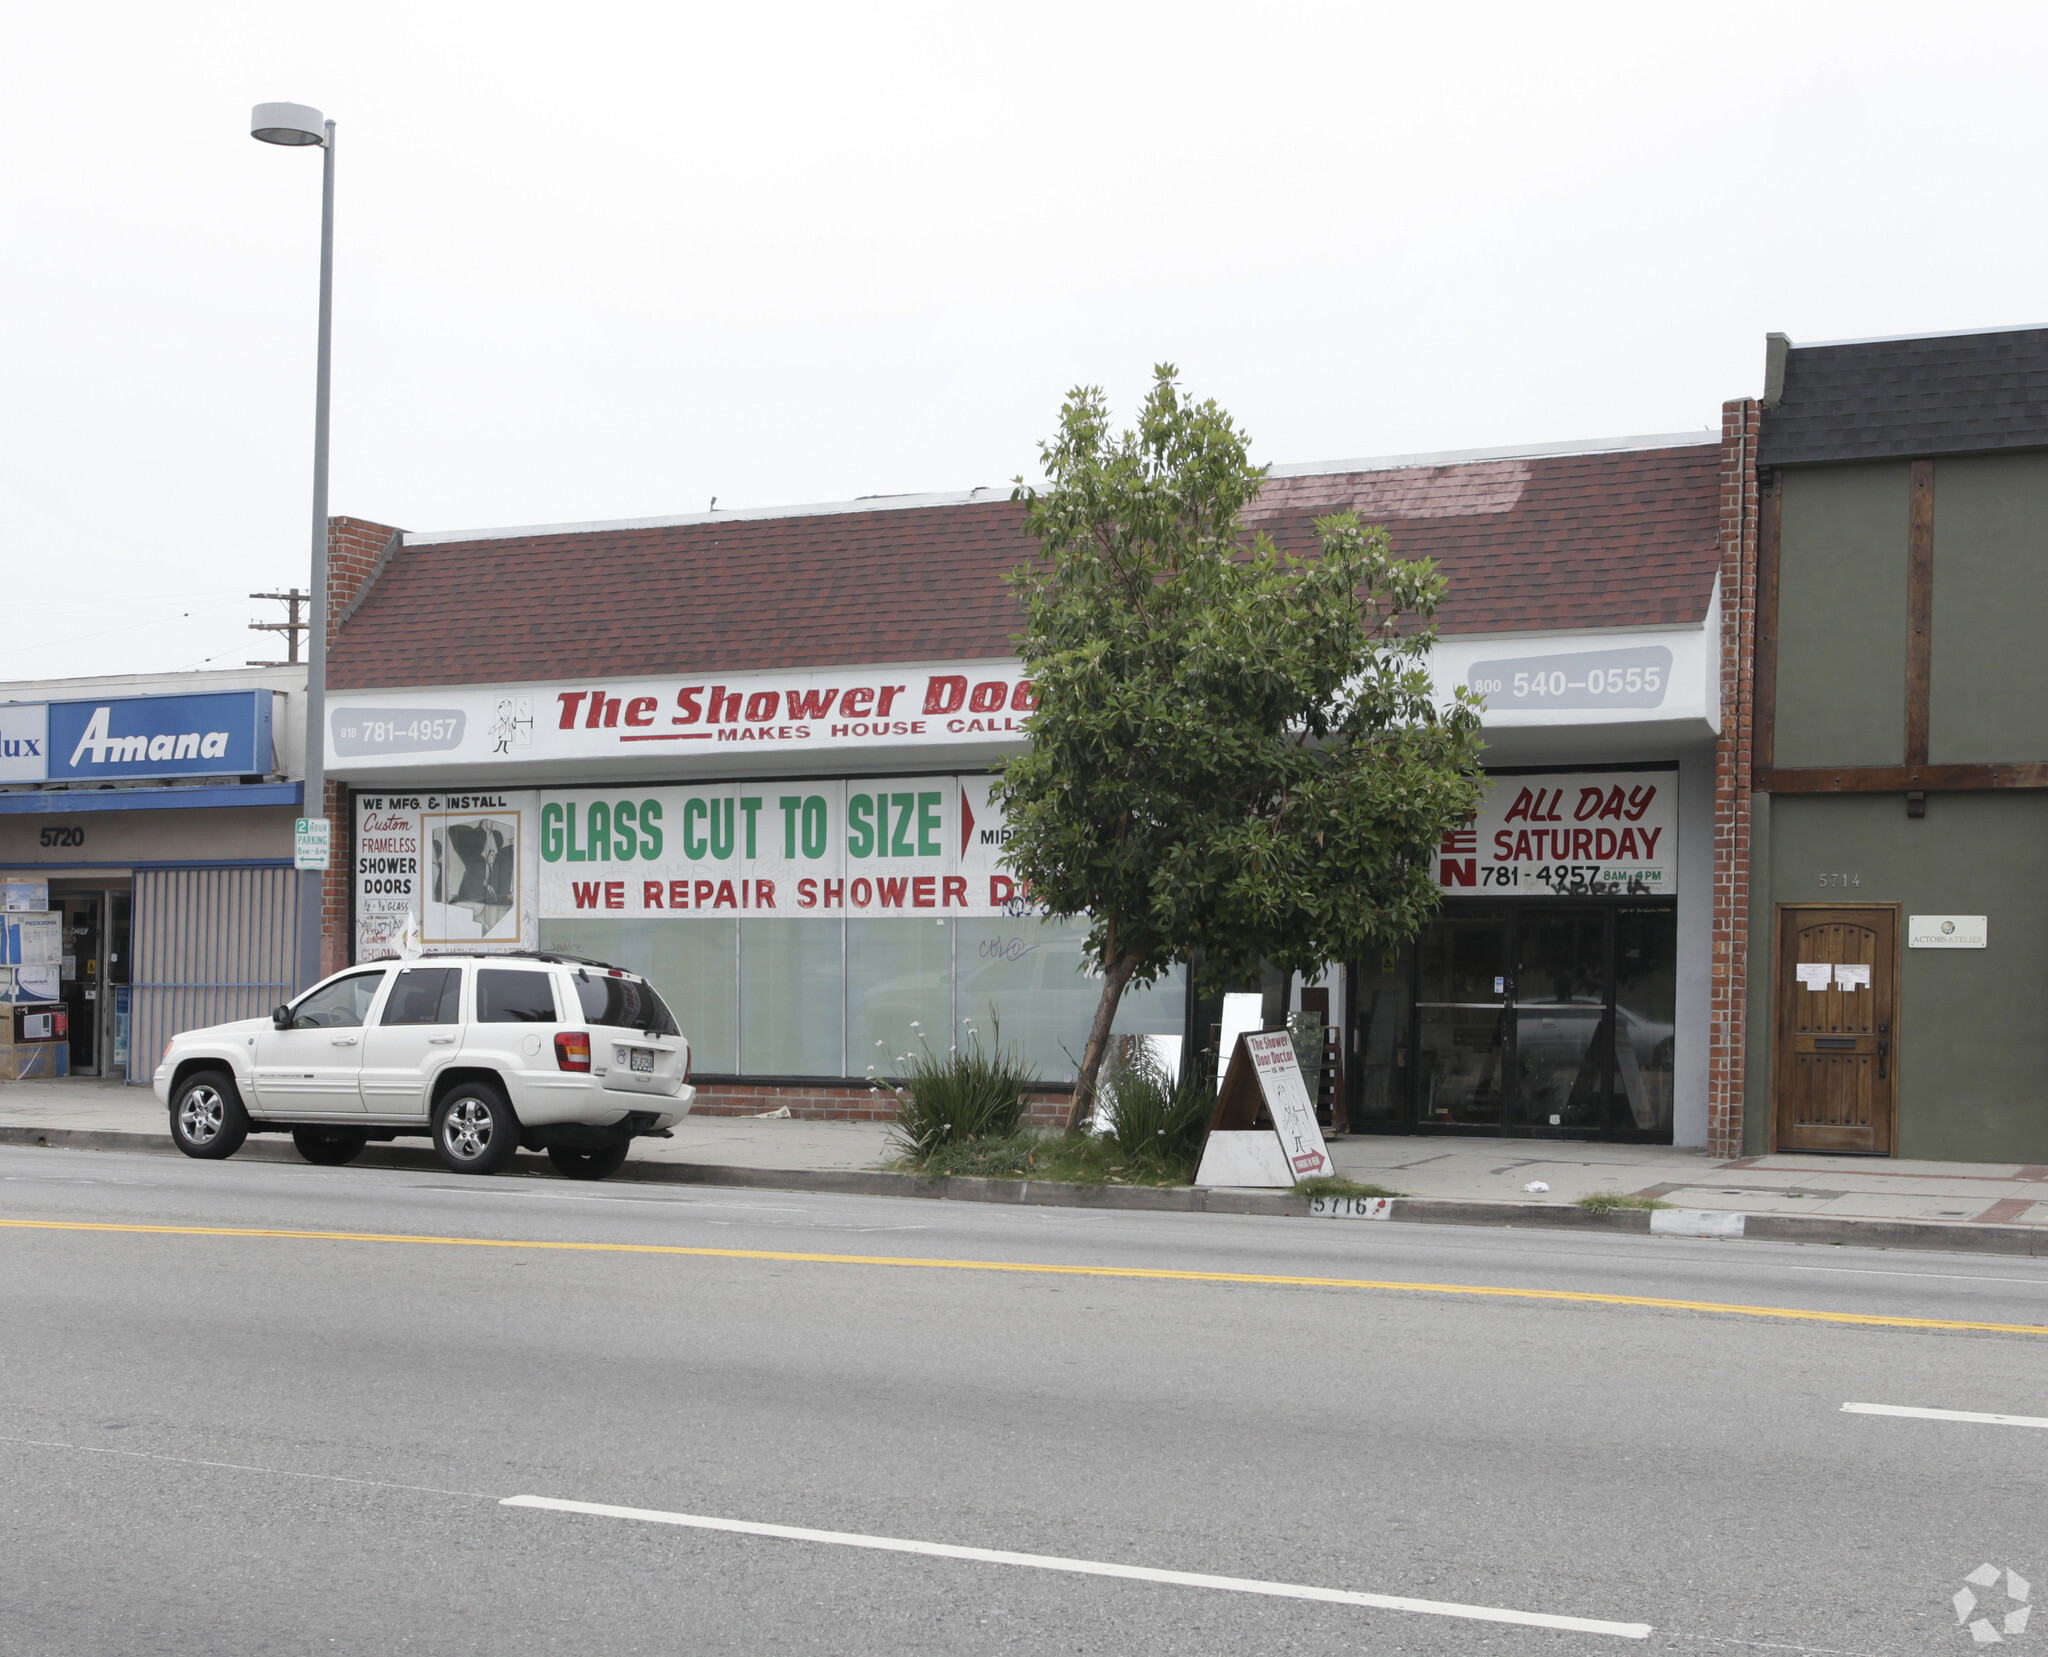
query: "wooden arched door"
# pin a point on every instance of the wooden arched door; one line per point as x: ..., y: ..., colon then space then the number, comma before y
x: 1835, y: 1061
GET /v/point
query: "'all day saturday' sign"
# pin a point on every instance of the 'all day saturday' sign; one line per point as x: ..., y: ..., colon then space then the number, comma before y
x: 1558, y: 833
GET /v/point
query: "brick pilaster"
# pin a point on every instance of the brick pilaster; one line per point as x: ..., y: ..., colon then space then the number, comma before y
x: 1732, y: 773
x: 356, y: 551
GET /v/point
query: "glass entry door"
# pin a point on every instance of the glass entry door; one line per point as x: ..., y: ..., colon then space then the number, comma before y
x: 79, y: 981
x: 1462, y: 1045
x: 1561, y: 1018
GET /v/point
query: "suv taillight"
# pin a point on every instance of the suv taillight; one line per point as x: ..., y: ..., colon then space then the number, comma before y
x: 572, y: 1050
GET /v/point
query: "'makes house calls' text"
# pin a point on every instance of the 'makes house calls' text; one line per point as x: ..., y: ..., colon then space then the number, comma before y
x: 785, y: 716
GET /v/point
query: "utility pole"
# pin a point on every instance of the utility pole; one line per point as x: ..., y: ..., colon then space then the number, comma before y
x: 291, y: 628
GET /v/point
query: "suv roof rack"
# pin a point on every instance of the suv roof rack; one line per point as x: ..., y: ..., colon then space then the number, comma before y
x: 552, y: 957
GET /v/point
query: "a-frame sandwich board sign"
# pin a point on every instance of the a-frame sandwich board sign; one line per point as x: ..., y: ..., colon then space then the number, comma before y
x: 1263, y: 1071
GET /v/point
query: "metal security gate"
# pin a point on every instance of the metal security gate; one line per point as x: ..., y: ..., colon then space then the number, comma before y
x: 210, y: 945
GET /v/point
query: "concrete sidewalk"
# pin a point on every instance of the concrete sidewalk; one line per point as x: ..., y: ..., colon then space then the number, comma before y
x: 1442, y: 1170
x: 1840, y: 1187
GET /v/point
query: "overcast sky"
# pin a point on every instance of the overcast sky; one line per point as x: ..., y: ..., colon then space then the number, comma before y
x: 612, y: 260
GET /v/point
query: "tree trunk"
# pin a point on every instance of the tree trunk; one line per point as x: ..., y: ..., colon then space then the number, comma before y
x: 1113, y: 982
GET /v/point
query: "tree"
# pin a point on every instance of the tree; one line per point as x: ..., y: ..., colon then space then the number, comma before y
x: 1237, y: 757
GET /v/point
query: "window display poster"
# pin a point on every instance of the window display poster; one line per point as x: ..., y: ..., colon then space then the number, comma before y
x: 460, y: 864
x: 1567, y: 834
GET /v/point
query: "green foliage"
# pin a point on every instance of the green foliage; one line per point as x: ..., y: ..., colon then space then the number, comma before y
x: 1068, y: 1159
x: 965, y: 1096
x: 1153, y: 1119
x: 1237, y: 756
x: 1333, y: 1185
x: 1604, y: 1202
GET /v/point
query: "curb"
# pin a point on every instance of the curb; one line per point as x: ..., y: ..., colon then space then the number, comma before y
x: 1774, y: 1228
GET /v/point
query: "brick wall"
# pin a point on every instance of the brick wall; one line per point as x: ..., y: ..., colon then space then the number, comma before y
x: 356, y: 550
x: 820, y: 1102
x: 1732, y: 771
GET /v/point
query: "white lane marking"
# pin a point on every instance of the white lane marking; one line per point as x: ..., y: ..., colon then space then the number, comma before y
x: 237, y: 1467
x: 1947, y: 1415
x: 1938, y: 1277
x: 1094, y: 1567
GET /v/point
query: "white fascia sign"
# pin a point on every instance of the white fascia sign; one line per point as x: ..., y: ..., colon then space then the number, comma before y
x: 24, y: 741
x: 1611, y: 677
x: 643, y: 724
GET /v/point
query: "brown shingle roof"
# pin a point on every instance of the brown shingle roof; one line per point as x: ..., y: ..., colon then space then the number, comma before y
x: 1610, y: 539
x: 1622, y: 539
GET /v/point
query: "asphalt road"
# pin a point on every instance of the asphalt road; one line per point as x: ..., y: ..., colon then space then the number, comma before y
x: 277, y: 1444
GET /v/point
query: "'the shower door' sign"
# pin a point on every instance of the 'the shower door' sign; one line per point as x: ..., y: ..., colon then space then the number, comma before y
x: 1294, y: 1113
x: 1263, y: 1070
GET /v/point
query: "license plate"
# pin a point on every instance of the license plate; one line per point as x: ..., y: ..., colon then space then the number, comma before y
x: 637, y: 1059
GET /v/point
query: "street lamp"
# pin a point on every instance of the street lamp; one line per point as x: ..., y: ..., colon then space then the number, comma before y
x: 296, y: 125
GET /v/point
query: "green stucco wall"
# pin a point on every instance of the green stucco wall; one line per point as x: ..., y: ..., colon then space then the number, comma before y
x: 1973, y: 1024
x: 1988, y: 679
x: 1842, y: 616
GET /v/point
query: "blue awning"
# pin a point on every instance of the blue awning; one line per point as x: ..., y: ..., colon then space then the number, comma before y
x: 68, y: 801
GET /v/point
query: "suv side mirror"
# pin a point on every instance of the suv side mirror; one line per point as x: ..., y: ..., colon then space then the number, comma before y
x: 281, y: 1016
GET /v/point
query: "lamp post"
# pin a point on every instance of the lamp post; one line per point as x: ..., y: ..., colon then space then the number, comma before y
x: 297, y: 125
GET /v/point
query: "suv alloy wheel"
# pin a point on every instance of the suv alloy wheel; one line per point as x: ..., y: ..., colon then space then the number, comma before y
x: 475, y: 1131
x: 207, y: 1118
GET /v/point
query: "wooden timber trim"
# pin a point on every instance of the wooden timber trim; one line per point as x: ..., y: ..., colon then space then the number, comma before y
x: 1763, y: 716
x: 1919, y: 608
x: 1902, y: 779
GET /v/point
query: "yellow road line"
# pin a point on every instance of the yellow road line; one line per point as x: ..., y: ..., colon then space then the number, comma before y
x: 1039, y: 1269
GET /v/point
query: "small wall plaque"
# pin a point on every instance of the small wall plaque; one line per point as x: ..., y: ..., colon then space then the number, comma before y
x: 1947, y: 932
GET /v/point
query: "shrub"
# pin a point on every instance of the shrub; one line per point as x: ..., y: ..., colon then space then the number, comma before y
x: 1152, y: 1118
x: 1058, y: 1157
x: 973, y: 1094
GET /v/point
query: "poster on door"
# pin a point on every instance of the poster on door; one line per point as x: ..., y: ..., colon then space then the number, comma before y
x: 459, y: 867
x: 865, y: 847
x: 1567, y: 834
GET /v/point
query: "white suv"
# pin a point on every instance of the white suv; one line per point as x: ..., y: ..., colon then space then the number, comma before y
x: 483, y: 1053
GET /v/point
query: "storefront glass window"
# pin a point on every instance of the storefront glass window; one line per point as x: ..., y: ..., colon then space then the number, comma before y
x: 1645, y: 1013
x: 1027, y: 977
x: 689, y: 961
x: 899, y: 991
x: 1024, y: 978
x: 792, y: 998
x: 831, y: 998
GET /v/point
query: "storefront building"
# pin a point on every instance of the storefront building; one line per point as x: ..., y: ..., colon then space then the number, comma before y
x: 1571, y: 986
x: 1899, y: 924
x: 151, y: 818
x: 749, y: 754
